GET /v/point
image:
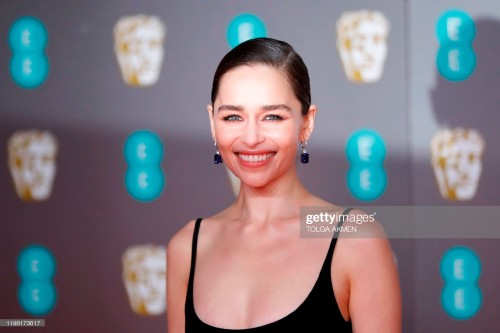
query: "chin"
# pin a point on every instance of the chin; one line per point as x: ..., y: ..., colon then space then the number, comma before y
x: 254, y: 181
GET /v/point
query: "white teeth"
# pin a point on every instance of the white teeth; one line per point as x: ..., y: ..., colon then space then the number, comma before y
x: 255, y: 158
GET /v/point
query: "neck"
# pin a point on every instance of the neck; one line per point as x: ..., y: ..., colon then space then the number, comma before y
x: 278, y: 200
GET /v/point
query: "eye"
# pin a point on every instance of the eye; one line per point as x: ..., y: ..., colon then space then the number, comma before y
x: 232, y: 117
x: 273, y: 117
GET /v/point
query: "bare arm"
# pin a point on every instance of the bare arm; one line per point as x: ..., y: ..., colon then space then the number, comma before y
x: 178, y: 266
x: 375, y: 296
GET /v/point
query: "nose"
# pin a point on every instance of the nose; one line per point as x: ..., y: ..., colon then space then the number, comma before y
x: 252, y: 133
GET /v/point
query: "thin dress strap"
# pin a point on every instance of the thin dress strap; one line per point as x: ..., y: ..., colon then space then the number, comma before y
x: 194, y: 247
x: 189, y: 296
x: 336, y: 235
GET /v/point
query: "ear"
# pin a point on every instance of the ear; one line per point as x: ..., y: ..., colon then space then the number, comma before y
x: 307, y: 124
x: 210, y: 110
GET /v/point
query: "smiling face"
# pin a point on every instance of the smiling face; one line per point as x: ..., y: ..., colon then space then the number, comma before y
x: 257, y: 124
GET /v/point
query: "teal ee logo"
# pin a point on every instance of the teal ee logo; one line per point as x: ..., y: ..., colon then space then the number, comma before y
x: 244, y: 27
x: 366, y: 178
x: 144, y: 177
x: 36, y: 267
x: 455, y: 32
x: 461, y: 296
x: 29, y: 65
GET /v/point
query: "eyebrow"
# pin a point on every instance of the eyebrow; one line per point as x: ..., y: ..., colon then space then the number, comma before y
x: 272, y: 107
x: 228, y: 107
x: 276, y: 107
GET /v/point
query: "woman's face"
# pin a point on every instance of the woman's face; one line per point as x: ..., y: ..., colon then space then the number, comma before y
x: 257, y: 124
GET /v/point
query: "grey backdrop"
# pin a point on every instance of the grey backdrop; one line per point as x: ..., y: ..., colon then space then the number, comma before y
x: 90, y: 219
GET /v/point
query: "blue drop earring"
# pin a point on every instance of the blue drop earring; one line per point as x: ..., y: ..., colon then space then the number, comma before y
x: 304, y: 156
x: 217, y: 156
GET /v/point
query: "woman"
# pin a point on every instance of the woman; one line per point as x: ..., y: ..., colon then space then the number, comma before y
x: 253, y: 270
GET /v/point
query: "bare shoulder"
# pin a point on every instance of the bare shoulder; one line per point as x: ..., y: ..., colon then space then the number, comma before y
x: 179, y: 254
x: 178, y: 267
x: 367, y: 243
x: 179, y: 246
x: 366, y: 223
x: 372, y: 276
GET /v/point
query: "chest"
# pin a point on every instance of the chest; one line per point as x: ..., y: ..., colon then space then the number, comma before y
x: 248, y: 283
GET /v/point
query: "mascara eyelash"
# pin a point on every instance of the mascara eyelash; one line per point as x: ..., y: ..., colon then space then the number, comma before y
x: 228, y: 117
x: 275, y: 116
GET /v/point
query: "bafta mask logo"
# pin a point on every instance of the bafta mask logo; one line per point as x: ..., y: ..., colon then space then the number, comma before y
x: 362, y: 44
x: 456, y: 160
x: 144, y: 276
x: 139, y: 48
x: 32, y: 163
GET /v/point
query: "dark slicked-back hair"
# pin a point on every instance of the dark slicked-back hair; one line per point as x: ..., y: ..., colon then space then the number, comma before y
x: 273, y: 53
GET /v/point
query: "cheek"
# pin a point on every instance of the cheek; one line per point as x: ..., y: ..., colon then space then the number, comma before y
x: 287, y: 139
x: 226, y: 135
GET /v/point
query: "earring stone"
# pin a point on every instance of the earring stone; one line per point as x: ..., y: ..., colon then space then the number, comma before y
x: 217, y: 158
x: 304, y: 156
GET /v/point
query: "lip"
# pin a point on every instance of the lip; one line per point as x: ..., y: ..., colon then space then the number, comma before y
x: 254, y: 159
